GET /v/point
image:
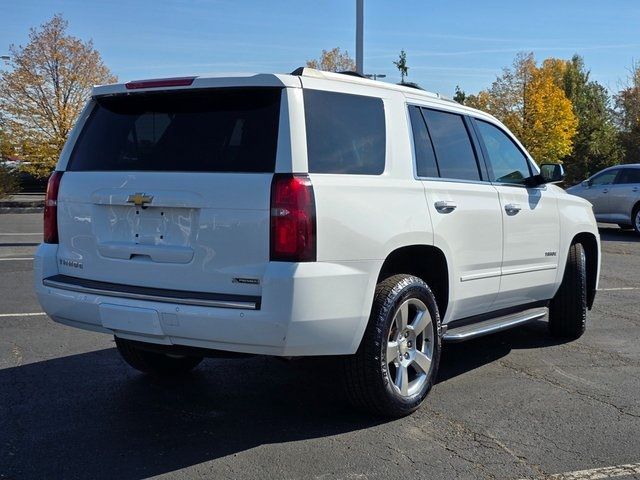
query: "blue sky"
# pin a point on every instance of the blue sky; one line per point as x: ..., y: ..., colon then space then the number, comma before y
x: 448, y: 43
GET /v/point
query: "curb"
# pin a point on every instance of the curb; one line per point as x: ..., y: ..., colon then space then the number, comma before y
x: 21, y: 206
x: 21, y: 209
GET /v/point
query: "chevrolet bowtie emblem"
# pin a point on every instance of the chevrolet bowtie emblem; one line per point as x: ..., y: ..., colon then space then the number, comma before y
x: 139, y: 199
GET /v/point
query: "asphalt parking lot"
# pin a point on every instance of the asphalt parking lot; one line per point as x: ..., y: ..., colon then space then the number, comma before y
x: 513, y: 405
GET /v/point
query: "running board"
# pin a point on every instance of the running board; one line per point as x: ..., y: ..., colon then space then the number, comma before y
x: 493, y: 325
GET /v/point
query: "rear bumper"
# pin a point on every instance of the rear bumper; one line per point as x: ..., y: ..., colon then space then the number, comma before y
x: 305, y: 309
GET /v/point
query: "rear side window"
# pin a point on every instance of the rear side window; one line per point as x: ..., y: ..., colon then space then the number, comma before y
x: 425, y: 156
x: 222, y: 130
x: 629, y: 175
x: 605, y: 178
x: 345, y: 133
x: 508, y: 163
x: 452, y: 145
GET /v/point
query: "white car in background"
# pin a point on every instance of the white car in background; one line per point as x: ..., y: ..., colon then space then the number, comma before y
x: 307, y: 214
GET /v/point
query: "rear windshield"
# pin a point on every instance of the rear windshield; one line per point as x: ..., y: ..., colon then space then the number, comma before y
x: 223, y: 130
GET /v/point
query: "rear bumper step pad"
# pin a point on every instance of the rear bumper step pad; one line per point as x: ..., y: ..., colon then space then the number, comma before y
x: 204, y: 299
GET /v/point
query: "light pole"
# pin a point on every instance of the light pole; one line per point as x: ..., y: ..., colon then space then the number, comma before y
x: 375, y: 76
x: 359, y: 36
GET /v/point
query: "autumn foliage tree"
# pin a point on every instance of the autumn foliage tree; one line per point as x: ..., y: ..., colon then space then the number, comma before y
x: 43, y: 92
x: 628, y: 115
x: 530, y: 101
x: 333, y: 61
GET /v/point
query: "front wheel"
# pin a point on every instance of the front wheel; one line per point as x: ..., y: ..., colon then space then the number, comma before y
x: 154, y: 363
x: 568, y: 309
x: 397, y: 361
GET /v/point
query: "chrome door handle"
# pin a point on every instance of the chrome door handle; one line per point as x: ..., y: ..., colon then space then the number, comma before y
x: 445, y: 206
x: 605, y: 190
x: 512, y: 208
x: 634, y: 189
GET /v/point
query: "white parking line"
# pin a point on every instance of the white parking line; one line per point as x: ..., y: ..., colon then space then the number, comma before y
x: 619, y: 288
x: 598, y: 473
x: 35, y: 314
x: 20, y: 234
x: 15, y: 259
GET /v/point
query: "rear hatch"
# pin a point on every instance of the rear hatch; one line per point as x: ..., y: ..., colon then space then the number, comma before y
x: 171, y: 190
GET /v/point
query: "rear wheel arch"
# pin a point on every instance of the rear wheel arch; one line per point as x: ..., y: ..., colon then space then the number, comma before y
x: 590, y: 246
x: 426, y: 262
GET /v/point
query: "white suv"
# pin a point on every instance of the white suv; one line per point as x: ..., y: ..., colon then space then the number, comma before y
x: 307, y: 214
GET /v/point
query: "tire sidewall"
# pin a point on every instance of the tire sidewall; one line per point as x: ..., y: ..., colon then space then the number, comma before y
x: 410, y: 287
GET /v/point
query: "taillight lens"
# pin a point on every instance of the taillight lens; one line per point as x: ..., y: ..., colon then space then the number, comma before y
x: 51, y: 208
x: 293, y: 219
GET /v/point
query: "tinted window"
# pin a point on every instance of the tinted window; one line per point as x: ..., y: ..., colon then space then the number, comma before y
x: 455, y: 155
x: 629, y: 175
x: 507, y: 161
x: 345, y: 133
x: 604, y: 178
x: 206, y: 131
x: 425, y: 157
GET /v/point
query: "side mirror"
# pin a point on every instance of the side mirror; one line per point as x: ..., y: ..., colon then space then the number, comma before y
x: 551, y: 173
x: 586, y: 183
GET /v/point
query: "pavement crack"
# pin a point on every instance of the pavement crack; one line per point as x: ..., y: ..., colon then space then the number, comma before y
x: 559, y: 385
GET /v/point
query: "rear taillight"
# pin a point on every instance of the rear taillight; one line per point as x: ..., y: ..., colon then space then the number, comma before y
x: 293, y: 219
x: 51, y: 208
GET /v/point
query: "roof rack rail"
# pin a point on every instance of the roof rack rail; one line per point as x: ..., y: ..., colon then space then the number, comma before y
x: 352, y: 73
x: 411, y: 85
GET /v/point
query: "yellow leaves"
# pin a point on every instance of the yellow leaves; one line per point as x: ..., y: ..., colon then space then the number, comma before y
x: 333, y: 61
x: 43, y: 94
x: 531, y: 102
x: 550, y: 123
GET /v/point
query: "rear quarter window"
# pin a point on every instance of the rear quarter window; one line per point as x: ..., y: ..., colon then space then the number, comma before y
x: 345, y: 133
x: 221, y: 130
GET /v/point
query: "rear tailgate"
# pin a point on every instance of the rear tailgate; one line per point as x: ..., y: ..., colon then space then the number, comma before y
x: 170, y: 190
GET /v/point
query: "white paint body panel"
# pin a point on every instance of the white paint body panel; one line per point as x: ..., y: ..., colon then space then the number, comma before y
x: 216, y: 227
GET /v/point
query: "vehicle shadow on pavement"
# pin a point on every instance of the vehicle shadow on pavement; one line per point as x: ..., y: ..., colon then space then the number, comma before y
x: 91, y: 416
x: 615, y: 234
x: 460, y: 358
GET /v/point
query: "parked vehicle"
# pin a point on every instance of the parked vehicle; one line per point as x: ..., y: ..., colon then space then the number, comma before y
x: 615, y: 195
x: 307, y: 214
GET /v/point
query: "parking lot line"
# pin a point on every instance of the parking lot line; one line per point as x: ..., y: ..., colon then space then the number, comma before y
x: 34, y: 314
x: 15, y: 259
x: 21, y: 234
x: 598, y: 473
x: 619, y: 288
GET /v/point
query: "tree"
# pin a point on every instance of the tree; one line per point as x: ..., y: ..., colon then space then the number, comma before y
x: 459, y: 95
x: 528, y: 100
x: 401, y: 65
x: 333, y: 61
x: 44, y: 91
x: 627, y: 103
x: 595, y: 145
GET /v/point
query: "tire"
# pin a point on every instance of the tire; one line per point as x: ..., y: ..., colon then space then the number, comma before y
x: 635, y: 217
x: 375, y: 377
x: 157, y: 364
x: 625, y: 226
x: 568, y: 309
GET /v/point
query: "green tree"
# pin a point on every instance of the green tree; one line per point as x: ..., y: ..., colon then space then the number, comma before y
x: 333, y: 61
x: 459, y: 95
x: 627, y: 103
x: 42, y: 94
x: 596, y: 144
x: 401, y: 65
